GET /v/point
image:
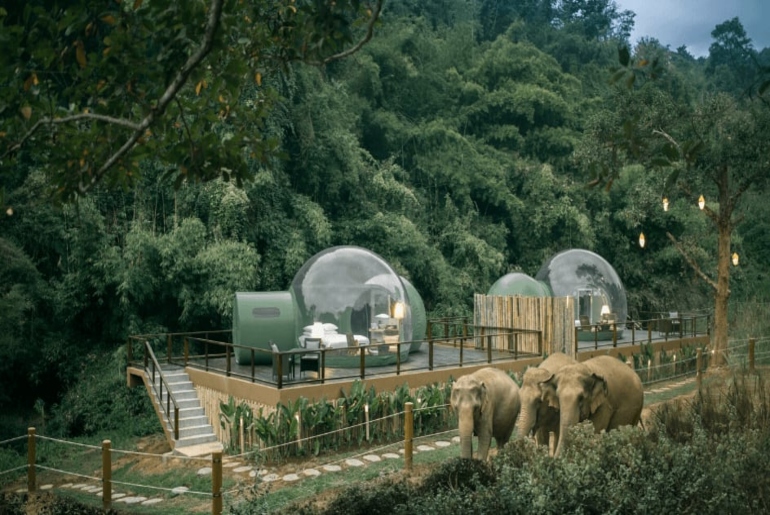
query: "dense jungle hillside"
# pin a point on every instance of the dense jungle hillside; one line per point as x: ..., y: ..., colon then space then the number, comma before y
x: 460, y: 143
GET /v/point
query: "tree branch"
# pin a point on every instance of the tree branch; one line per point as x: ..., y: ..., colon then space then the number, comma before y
x: 369, y: 33
x: 690, y: 260
x: 69, y: 119
x: 215, y: 14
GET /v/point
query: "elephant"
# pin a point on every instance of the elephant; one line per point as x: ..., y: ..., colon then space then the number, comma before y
x: 487, y: 404
x: 537, y: 416
x: 603, y: 390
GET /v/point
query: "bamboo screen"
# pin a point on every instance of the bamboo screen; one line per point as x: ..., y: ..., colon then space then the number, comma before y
x: 554, y: 316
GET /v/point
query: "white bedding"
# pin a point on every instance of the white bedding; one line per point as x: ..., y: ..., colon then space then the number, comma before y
x: 336, y: 340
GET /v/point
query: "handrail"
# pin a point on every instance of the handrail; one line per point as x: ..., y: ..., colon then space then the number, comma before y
x: 169, y: 396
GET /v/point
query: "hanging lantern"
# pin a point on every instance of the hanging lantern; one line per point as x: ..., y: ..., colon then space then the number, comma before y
x: 641, y: 240
x: 665, y: 203
x: 735, y: 258
x: 701, y: 202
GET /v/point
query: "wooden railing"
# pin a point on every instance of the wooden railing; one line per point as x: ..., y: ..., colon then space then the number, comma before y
x: 685, y: 325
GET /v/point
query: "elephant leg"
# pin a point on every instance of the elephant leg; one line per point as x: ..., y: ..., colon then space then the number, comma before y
x: 485, y: 440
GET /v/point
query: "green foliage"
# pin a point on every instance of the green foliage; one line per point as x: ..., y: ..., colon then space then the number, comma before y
x: 99, y: 404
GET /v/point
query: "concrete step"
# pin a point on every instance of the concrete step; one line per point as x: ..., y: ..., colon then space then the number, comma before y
x: 190, y: 431
x: 195, y: 440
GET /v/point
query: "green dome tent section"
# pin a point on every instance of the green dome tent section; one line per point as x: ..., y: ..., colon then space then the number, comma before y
x: 517, y: 283
x: 261, y: 317
x: 419, y: 317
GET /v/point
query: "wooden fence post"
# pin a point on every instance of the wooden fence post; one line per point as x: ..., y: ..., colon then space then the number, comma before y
x: 31, y: 478
x: 106, y: 475
x: 216, y: 483
x: 752, y: 344
x: 408, y: 434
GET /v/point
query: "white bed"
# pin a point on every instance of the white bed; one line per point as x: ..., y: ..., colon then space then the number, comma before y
x: 331, y: 339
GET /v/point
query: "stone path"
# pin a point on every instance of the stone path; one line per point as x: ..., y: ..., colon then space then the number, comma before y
x: 239, y: 469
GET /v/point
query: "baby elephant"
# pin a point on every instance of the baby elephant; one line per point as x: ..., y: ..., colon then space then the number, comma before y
x: 487, y: 404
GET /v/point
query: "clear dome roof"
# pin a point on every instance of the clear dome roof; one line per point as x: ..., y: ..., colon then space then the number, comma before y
x: 352, y: 288
x: 590, y: 279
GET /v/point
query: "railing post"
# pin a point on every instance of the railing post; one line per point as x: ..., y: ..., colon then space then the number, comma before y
x: 489, y: 350
x: 430, y: 354
x: 216, y: 483
x: 752, y: 344
x: 408, y: 434
x: 176, y: 423
x: 363, y: 361
x: 398, y: 358
x: 186, y: 351
x: 576, y: 345
x: 253, y: 366
x: 31, y: 477
x: 106, y: 475
x: 614, y: 334
x: 228, y: 366
x: 168, y: 348
x: 649, y: 332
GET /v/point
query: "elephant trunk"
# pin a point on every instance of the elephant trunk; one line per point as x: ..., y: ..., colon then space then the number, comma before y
x: 567, y: 418
x: 466, y: 433
x: 526, y: 421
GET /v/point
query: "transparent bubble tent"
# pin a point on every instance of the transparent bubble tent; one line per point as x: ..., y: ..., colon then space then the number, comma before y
x: 340, y: 293
x: 598, y: 291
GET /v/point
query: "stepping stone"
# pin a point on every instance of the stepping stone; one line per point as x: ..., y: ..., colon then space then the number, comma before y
x: 422, y: 448
x: 262, y: 472
x: 291, y: 477
x: 414, y: 451
x: 442, y: 443
x: 21, y: 491
x: 311, y: 472
x: 456, y: 439
x: 269, y: 478
x: 205, y: 471
x: 92, y: 489
x: 253, y: 473
x: 332, y: 468
x: 154, y: 500
x: 46, y: 487
x: 230, y: 464
x: 179, y: 490
x: 66, y: 485
x: 78, y: 486
x: 372, y: 458
x: 245, y: 468
x: 115, y: 496
x: 133, y: 500
x: 391, y: 456
x: 354, y: 463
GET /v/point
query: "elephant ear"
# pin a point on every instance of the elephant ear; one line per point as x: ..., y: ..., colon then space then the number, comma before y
x: 484, y: 404
x: 548, y: 392
x: 598, y: 392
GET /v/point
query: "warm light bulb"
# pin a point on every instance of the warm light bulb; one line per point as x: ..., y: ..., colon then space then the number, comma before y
x: 701, y: 202
x: 641, y: 240
x: 735, y: 258
x: 665, y: 203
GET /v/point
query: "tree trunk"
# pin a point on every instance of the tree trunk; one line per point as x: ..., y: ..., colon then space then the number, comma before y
x: 722, y: 293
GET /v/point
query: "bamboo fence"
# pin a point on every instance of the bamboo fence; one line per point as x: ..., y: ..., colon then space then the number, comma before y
x: 553, y: 316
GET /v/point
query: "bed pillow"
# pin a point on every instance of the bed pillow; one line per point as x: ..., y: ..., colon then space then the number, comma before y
x: 330, y: 328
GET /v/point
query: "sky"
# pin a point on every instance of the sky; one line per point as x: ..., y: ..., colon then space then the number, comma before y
x: 690, y: 22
